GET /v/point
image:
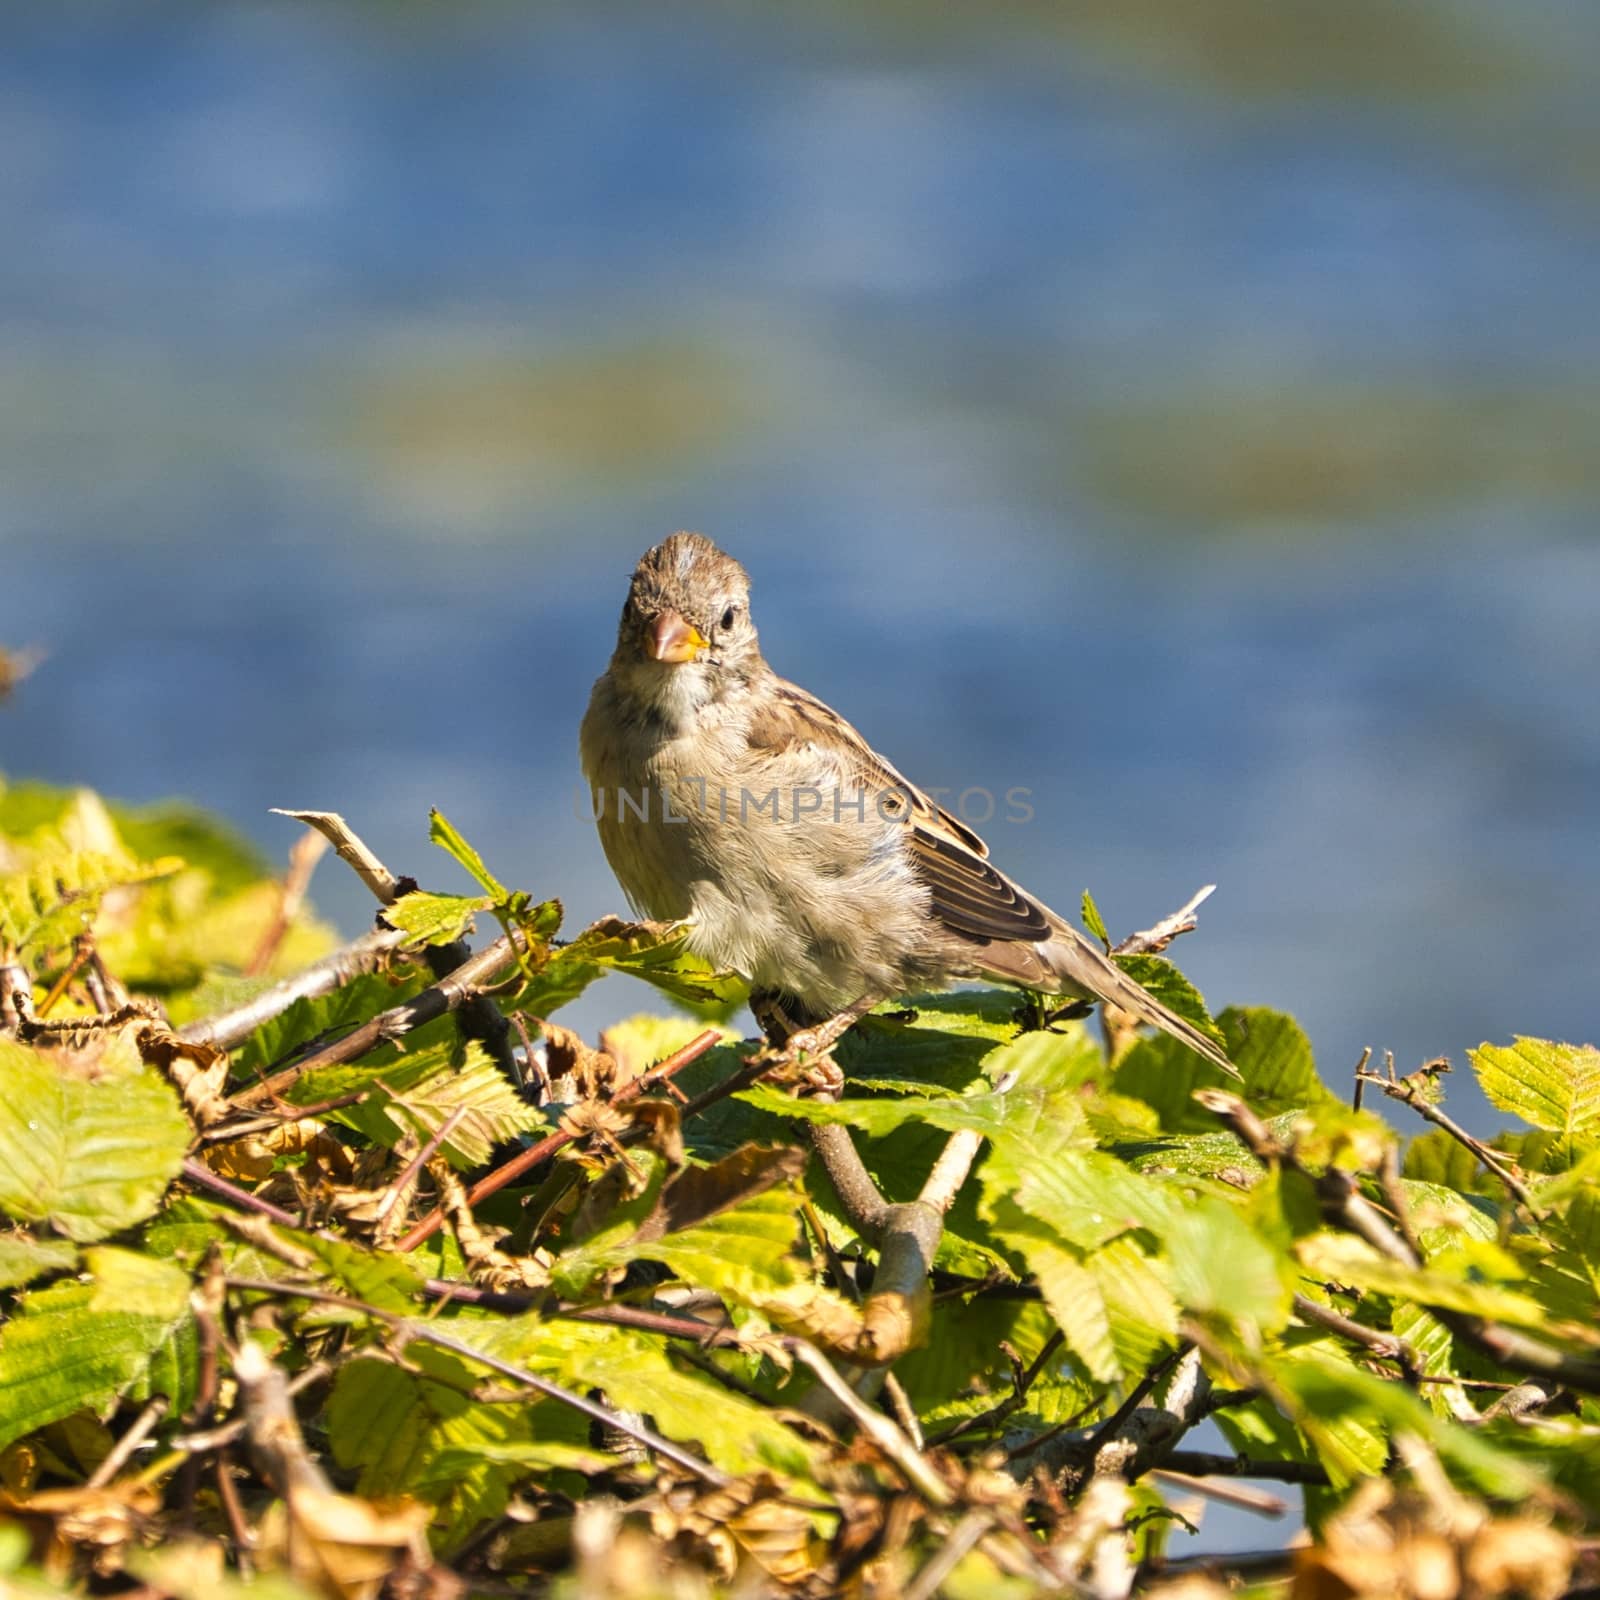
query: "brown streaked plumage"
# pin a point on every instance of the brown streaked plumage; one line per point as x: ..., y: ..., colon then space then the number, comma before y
x: 803, y: 859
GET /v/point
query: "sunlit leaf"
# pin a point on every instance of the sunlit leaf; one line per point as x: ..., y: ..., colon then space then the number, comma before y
x: 79, y: 1344
x: 1552, y: 1086
x: 445, y: 834
x: 88, y: 1157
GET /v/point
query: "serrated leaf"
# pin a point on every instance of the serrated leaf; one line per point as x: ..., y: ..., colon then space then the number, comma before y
x: 435, y: 918
x: 306, y: 1022
x: 1221, y: 1267
x: 1339, y: 1403
x: 1269, y: 1049
x: 1021, y: 1109
x: 81, y: 1345
x: 1555, y: 1087
x: 1070, y: 1289
x: 89, y: 1158
x: 57, y: 896
x: 1139, y: 1304
x: 1341, y: 1258
x: 634, y: 1372
x: 393, y: 1426
x: 24, y: 1258
x: 419, y: 1093
x: 658, y: 954
x: 445, y: 834
x: 1093, y: 921
x: 1161, y: 978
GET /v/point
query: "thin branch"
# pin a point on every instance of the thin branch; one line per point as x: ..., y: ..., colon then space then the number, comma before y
x: 1154, y: 940
x: 963, y: 1538
x: 1389, y: 1346
x: 198, y: 1173
x: 1209, y: 1464
x: 1257, y: 1501
x: 408, y: 1329
x: 448, y: 994
x: 352, y: 850
x: 402, y: 1184
x: 1022, y: 1380
x: 304, y: 854
x: 122, y: 1451
x: 950, y: 1171
x: 229, y: 1028
x: 530, y: 1158
x: 1344, y: 1207
x: 877, y: 1427
x: 1409, y: 1093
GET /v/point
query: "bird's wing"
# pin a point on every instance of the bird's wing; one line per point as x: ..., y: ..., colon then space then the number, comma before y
x: 967, y: 894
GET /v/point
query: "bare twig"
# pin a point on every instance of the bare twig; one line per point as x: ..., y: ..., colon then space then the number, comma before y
x: 1258, y: 1501
x: 966, y: 1534
x: 1135, y: 1438
x: 351, y: 849
x: 1022, y: 1380
x: 122, y: 1451
x: 1361, y: 1081
x: 402, y: 1184
x: 1209, y: 1464
x: 229, y: 1028
x: 1391, y: 1347
x: 82, y: 950
x: 304, y: 854
x: 877, y: 1427
x: 1156, y: 939
x: 198, y: 1172
x: 1409, y: 1093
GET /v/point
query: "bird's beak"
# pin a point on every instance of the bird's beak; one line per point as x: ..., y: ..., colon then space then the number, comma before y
x: 672, y: 638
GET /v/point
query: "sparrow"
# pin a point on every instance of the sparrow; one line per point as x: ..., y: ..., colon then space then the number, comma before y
x: 730, y: 800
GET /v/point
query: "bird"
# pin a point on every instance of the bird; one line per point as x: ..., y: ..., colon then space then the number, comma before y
x: 734, y: 802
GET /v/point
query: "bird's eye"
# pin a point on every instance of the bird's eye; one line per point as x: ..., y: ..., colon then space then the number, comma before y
x: 729, y: 617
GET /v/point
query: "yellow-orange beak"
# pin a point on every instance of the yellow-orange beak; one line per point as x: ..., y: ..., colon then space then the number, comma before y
x: 672, y: 638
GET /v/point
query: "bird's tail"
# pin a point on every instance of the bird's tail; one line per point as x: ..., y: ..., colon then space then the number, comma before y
x: 1083, y: 966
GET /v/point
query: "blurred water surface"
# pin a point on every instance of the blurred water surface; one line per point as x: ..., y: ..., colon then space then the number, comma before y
x: 1185, y: 411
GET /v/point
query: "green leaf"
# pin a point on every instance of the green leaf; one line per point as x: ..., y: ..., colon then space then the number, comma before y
x: 1269, y: 1048
x: 79, y: 1346
x: 89, y: 1158
x: 1070, y: 1289
x: 1221, y: 1267
x: 444, y: 834
x: 419, y: 1091
x: 1093, y: 921
x: 422, y: 1433
x: 1139, y: 1304
x: 24, y: 1258
x: 1341, y: 1258
x: 992, y: 1113
x: 658, y: 955
x: 308, y: 1022
x: 58, y: 895
x: 634, y: 1372
x: 1551, y: 1086
x: 435, y: 918
x: 1158, y: 975
x: 1338, y: 1402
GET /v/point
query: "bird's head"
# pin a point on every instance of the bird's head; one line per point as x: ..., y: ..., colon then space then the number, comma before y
x: 686, y: 630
